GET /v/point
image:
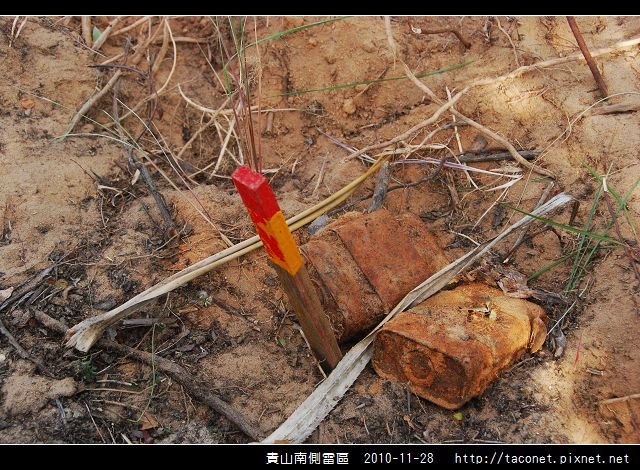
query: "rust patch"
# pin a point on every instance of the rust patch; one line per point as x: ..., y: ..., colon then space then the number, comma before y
x: 365, y: 264
x: 349, y: 299
x: 385, y: 255
x: 450, y: 347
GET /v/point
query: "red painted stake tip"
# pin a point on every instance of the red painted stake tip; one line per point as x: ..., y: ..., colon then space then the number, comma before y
x: 256, y: 194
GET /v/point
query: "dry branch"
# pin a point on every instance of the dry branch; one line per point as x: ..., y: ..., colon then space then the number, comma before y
x: 484, y: 130
x: 458, y: 34
x: 85, y: 22
x: 587, y: 56
x: 105, y: 34
x: 196, y: 388
x: 93, y: 99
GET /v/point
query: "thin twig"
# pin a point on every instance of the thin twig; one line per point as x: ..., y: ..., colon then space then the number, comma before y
x: 411, y: 131
x: 105, y: 34
x: 131, y: 26
x: 160, y: 91
x: 169, y: 226
x: 587, y: 56
x: 635, y: 396
x: 13, y: 342
x: 85, y: 22
x: 465, y: 43
x: 92, y: 100
x: 513, y: 46
x: 26, y: 287
x: 543, y: 197
x: 120, y: 66
x: 619, y: 46
x: 163, y: 49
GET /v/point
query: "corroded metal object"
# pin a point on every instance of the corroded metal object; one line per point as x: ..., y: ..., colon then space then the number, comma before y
x: 451, y: 346
x: 364, y: 264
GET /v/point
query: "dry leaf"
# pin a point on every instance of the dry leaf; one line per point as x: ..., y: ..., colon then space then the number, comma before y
x: 5, y: 294
x: 148, y: 422
x: 407, y: 419
x: 27, y: 102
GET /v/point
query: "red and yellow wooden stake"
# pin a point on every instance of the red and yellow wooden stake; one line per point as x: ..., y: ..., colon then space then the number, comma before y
x: 285, y: 254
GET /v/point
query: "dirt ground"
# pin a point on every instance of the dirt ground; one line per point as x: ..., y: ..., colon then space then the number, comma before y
x: 76, y: 205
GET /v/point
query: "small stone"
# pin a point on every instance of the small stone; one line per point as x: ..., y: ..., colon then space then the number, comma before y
x: 349, y: 106
x: 313, y: 42
x: 330, y: 59
x: 369, y: 46
x: 3, y: 357
x: 360, y: 88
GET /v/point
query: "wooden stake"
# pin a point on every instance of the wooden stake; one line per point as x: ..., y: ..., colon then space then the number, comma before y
x: 274, y: 232
x: 587, y: 56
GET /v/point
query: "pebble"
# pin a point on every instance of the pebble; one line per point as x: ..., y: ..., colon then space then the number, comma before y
x: 349, y: 106
x: 3, y: 357
x: 313, y: 42
x: 369, y: 46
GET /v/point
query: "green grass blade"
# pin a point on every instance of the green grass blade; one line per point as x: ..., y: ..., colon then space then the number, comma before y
x: 621, y: 206
x: 600, y: 179
x: 296, y: 29
x: 367, y: 82
x: 569, y: 228
x: 548, y: 267
x: 575, y: 268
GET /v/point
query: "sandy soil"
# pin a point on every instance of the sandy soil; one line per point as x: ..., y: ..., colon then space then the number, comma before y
x: 74, y: 203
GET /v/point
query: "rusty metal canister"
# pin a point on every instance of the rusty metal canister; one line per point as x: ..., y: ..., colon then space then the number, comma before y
x: 364, y: 264
x: 450, y: 347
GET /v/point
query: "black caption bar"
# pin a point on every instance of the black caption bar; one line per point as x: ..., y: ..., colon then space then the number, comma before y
x: 380, y: 456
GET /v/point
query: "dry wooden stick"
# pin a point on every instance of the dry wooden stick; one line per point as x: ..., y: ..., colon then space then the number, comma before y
x: 543, y: 197
x: 619, y: 46
x: 105, y: 34
x: 587, y: 56
x: 131, y: 26
x: 411, y: 131
x: 85, y: 22
x: 189, y: 40
x: 461, y: 38
x: 196, y: 388
x: 169, y: 227
x: 513, y: 46
x: 92, y: 101
x: 163, y: 49
x: 13, y: 342
x: 635, y: 396
x: 26, y: 287
x: 160, y: 91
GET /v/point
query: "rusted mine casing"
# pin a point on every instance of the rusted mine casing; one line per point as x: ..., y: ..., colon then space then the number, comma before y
x: 364, y: 264
x: 451, y: 346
